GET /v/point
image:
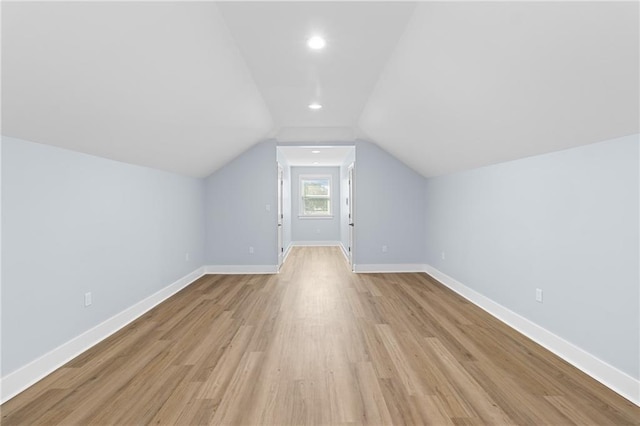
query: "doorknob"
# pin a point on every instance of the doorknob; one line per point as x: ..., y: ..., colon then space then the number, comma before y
x: 351, y: 224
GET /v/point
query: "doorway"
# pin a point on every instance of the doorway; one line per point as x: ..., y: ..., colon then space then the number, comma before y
x: 325, y: 223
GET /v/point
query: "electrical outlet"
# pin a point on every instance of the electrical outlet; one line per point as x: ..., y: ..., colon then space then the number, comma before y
x: 539, y: 295
x: 187, y: 257
x: 384, y: 249
x: 442, y: 255
x: 250, y: 250
x: 87, y: 299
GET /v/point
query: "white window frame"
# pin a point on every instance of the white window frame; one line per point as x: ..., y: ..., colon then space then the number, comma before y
x: 301, y: 197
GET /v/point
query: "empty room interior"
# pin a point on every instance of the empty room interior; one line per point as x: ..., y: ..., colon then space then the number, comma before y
x: 320, y: 213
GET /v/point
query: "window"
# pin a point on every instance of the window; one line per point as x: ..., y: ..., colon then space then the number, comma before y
x: 315, y: 195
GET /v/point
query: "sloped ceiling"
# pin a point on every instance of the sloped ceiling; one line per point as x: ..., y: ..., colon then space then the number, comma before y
x: 444, y: 86
x: 156, y: 84
x: 472, y: 84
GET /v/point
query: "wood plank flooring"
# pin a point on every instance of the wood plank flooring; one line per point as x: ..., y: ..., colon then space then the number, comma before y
x: 318, y: 345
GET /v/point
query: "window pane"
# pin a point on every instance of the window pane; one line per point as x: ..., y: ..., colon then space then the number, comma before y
x: 315, y: 187
x: 316, y: 206
x: 315, y: 195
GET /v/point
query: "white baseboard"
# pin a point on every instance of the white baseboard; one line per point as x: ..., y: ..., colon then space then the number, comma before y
x: 286, y: 253
x: 345, y: 252
x: 19, y: 380
x: 240, y: 269
x: 618, y: 381
x: 315, y: 243
x: 391, y: 267
x: 606, y: 374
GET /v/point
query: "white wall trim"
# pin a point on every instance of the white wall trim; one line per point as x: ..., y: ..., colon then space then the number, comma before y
x: 286, y: 253
x: 315, y: 243
x: 345, y: 252
x: 390, y: 267
x: 20, y: 379
x: 241, y: 269
x: 616, y: 380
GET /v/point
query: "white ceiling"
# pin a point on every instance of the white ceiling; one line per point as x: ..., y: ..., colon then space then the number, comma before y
x: 444, y: 86
x: 157, y: 84
x: 472, y: 84
x: 316, y: 155
x: 272, y: 37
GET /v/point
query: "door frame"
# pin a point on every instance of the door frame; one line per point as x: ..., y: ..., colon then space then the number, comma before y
x: 280, y: 220
x: 351, y: 213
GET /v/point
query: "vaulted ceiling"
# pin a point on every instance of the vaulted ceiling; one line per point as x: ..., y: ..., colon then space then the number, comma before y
x: 444, y: 86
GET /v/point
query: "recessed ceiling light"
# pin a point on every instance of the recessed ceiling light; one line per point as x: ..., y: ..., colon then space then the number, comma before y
x: 316, y: 43
x: 315, y: 105
x: 315, y: 151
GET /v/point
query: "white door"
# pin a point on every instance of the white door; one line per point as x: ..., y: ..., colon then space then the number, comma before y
x: 280, y: 216
x: 351, y: 203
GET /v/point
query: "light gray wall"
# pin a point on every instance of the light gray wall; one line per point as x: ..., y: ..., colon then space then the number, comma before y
x: 315, y: 229
x: 236, y: 213
x: 389, y: 209
x: 565, y: 222
x: 344, y: 194
x: 73, y: 223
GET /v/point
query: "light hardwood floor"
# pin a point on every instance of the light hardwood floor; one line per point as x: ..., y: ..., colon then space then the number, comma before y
x: 317, y: 344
